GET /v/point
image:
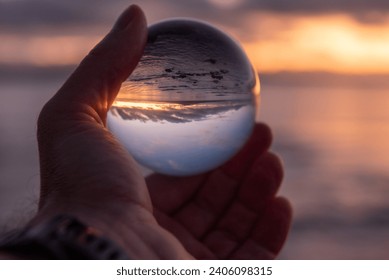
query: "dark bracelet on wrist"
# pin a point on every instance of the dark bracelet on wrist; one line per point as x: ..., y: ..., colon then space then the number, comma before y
x: 63, y: 237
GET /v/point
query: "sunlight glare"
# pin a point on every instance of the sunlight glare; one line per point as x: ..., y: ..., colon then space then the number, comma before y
x: 333, y: 43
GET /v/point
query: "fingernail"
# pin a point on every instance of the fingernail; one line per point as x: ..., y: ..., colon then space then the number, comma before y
x: 125, y: 18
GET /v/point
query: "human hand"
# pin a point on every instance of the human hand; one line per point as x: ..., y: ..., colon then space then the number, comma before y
x: 86, y: 172
x: 230, y: 212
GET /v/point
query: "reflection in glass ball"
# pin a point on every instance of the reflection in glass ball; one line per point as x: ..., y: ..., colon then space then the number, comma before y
x: 190, y: 104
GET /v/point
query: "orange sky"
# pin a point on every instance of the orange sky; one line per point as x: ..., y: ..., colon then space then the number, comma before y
x: 334, y: 43
x: 275, y: 42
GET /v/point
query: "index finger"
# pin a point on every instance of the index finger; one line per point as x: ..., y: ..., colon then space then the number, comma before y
x: 259, y: 142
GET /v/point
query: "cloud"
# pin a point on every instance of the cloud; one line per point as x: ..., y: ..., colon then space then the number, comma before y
x: 323, y: 6
x: 212, y: 10
x: 31, y: 29
x: 28, y: 14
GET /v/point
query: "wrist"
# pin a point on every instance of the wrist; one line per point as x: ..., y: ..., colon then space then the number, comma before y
x: 62, y: 237
x: 121, y: 226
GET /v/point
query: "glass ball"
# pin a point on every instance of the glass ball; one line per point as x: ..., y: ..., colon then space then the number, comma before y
x: 190, y: 104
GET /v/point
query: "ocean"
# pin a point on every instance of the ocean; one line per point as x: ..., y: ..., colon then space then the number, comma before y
x: 334, y: 144
x: 333, y: 140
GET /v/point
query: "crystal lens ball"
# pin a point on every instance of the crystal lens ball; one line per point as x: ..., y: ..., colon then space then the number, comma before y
x: 190, y: 104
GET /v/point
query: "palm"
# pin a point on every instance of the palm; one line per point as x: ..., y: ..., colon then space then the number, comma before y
x: 230, y: 212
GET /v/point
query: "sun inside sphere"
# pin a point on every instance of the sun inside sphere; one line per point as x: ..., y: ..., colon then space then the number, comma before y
x: 191, y: 102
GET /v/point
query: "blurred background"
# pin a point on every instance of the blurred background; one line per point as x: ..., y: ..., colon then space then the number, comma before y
x: 323, y: 68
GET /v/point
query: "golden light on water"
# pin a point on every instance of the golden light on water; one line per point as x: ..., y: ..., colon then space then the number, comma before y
x: 159, y: 106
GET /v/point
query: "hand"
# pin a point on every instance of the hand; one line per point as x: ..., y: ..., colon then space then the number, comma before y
x: 87, y: 173
x: 231, y: 212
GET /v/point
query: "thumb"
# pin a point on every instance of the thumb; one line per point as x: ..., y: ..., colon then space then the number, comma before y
x: 95, y: 83
x: 74, y: 148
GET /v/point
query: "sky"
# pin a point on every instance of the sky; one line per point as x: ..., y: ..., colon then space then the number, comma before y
x: 337, y: 36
